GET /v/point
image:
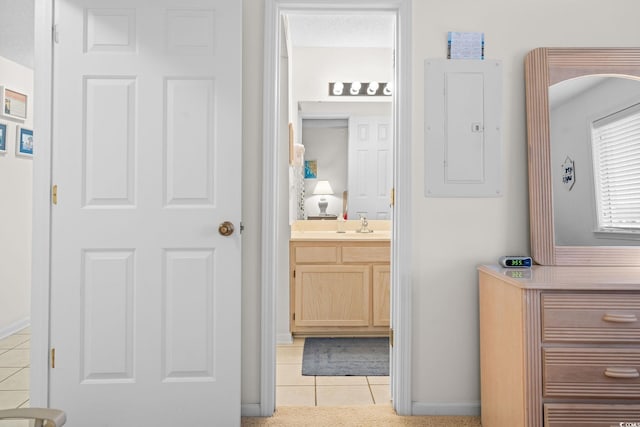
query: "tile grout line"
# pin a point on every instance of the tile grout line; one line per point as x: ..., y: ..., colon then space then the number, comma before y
x: 12, y: 375
x: 20, y: 406
x: 373, y: 398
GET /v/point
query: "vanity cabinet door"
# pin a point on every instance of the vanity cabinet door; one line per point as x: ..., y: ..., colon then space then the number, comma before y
x: 381, y: 295
x: 332, y: 295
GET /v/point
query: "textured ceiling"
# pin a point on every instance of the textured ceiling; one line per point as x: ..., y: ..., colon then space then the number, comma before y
x: 349, y: 30
x: 16, y: 31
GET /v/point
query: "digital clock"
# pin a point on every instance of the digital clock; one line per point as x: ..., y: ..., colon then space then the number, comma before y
x: 516, y: 261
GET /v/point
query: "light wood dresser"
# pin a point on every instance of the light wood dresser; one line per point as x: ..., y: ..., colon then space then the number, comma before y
x: 560, y: 346
x: 339, y: 286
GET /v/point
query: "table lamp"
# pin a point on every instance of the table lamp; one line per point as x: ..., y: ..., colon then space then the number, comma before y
x: 323, y: 188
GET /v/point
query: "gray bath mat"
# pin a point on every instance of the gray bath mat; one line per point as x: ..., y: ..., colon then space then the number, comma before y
x: 346, y: 356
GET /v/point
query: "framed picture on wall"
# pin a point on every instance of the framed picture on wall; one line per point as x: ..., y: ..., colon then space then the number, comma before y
x: 24, y: 143
x: 13, y: 103
x: 310, y: 169
x: 3, y: 138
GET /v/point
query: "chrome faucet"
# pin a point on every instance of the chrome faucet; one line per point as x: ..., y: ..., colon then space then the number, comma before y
x: 364, y: 225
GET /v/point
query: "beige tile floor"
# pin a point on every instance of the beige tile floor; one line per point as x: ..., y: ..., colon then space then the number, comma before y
x: 294, y: 389
x: 14, y: 374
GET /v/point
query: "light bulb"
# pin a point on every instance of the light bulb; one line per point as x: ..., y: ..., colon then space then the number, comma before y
x: 372, y: 88
x: 355, y: 88
x: 337, y: 88
x: 387, y: 89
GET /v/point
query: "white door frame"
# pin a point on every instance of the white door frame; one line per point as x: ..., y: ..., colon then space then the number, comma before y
x: 41, y: 250
x: 401, y: 232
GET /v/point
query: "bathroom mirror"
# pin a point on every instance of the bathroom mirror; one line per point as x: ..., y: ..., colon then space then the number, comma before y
x: 561, y: 162
x: 351, y: 146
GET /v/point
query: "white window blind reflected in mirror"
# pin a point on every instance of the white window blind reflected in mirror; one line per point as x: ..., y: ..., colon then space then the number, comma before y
x: 616, y: 156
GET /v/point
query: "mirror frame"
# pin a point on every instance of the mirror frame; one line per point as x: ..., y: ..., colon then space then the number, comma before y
x: 543, y: 68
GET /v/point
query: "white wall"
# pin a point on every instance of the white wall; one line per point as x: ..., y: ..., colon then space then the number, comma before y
x: 452, y: 236
x: 315, y: 67
x: 15, y: 210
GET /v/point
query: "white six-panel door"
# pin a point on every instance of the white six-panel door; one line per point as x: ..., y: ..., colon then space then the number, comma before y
x: 370, y: 167
x: 145, y: 291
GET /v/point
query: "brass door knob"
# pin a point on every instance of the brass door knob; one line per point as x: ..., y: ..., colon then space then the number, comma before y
x: 226, y: 228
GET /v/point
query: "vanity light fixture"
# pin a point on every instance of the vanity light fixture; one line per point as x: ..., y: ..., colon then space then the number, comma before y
x: 360, y: 89
x: 323, y: 188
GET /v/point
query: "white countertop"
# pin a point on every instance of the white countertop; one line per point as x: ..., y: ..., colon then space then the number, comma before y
x: 350, y: 235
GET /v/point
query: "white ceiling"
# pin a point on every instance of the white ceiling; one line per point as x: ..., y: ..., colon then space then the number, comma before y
x: 16, y: 31
x: 347, y: 30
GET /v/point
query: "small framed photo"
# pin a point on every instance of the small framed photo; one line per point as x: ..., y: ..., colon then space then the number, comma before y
x: 13, y: 103
x: 310, y: 169
x: 24, y: 144
x: 3, y: 138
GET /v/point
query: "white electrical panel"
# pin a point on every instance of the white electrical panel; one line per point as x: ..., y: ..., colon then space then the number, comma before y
x: 463, y: 101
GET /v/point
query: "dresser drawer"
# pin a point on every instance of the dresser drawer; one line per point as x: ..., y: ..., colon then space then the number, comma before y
x: 366, y: 254
x: 593, y: 415
x: 591, y: 317
x: 591, y: 372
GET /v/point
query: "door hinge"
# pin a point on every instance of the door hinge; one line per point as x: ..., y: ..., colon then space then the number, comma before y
x: 294, y: 274
x: 54, y: 33
x: 393, y: 197
x: 53, y: 358
x: 54, y: 195
x: 241, y: 227
x: 391, y: 337
x: 294, y: 316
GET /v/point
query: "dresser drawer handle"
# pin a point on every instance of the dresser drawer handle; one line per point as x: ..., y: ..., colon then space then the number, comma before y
x: 620, y: 318
x: 621, y: 373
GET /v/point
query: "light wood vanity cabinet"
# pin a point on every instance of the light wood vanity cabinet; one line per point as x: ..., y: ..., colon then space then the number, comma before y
x: 339, y: 287
x: 560, y: 346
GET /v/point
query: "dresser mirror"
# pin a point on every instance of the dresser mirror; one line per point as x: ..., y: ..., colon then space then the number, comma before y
x: 579, y: 101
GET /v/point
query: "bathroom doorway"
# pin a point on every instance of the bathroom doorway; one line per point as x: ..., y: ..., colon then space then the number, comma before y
x: 288, y: 102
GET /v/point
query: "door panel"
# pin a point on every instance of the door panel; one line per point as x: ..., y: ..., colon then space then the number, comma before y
x: 145, y: 293
x: 370, y: 167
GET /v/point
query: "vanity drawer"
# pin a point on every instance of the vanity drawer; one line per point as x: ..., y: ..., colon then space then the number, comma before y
x: 591, y: 372
x: 366, y: 254
x: 593, y: 415
x: 316, y: 254
x: 591, y: 317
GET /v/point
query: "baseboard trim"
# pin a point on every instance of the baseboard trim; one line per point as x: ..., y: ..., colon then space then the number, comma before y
x: 286, y: 338
x: 250, y: 410
x: 464, y: 409
x: 14, y: 327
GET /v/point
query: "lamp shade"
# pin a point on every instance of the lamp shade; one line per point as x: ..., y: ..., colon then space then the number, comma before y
x: 323, y: 188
